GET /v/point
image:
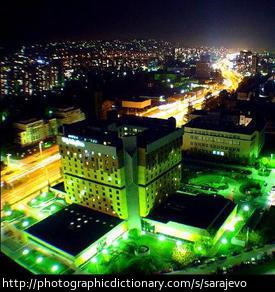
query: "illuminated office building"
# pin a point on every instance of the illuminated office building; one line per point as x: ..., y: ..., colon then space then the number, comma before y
x: 224, y: 138
x: 32, y: 131
x: 122, y: 165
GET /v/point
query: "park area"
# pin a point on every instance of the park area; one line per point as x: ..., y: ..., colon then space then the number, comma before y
x: 142, y: 253
x: 239, y: 185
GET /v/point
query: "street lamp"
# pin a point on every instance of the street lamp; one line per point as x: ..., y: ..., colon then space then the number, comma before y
x: 40, y: 148
x: 45, y: 167
x: 8, y: 159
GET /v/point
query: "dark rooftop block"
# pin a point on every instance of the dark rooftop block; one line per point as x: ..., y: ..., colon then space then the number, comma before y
x: 225, y: 125
x: 206, y: 212
x: 59, y: 187
x: 102, y: 131
x: 74, y: 228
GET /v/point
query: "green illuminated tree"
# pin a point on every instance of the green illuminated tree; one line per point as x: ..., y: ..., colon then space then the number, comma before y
x: 7, y: 206
x: 183, y: 255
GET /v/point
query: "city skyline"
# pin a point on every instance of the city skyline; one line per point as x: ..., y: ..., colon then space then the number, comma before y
x: 138, y: 138
x: 237, y: 24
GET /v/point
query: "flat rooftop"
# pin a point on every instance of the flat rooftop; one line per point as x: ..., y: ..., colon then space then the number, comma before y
x: 74, y: 228
x: 66, y: 109
x: 28, y: 121
x: 205, y: 212
x: 136, y: 99
x: 107, y: 130
x: 59, y: 187
x: 221, y: 124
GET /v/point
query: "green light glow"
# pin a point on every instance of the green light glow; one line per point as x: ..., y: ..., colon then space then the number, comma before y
x: 25, y: 251
x: 246, y: 208
x: 125, y: 236
x: 178, y: 243
x: 115, y: 243
x: 54, y: 268
x: 161, y: 237
x: 94, y: 260
x: 142, y: 232
x: 105, y: 251
x: 25, y: 223
x: 239, y: 218
x: 224, y: 241
x: 9, y: 213
x: 39, y: 259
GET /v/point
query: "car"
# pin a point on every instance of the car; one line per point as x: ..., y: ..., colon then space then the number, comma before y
x: 235, y: 253
x: 253, y: 261
x: 209, y: 261
x: 222, y: 257
x: 196, y: 262
x: 247, y: 172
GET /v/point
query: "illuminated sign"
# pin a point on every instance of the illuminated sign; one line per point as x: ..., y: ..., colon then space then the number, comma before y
x: 73, y: 142
x: 73, y: 137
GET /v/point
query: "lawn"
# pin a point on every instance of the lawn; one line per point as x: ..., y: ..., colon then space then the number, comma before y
x: 120, y: 258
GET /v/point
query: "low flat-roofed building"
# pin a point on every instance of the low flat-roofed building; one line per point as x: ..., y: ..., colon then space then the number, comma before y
x: 135, y: 106
x: 191, y: 217
x: 69, y: 115
x: 32, y: 131
x: 76, y: 233
x: 224, y: 137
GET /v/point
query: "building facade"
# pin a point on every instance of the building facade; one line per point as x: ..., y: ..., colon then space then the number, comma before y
x: 69, y: 115
x: 224, y: 139
x: 32, y: 131
x: 105, y: 166
x: 135, y: 106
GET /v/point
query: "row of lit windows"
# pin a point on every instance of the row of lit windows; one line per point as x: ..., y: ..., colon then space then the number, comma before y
x: 214, y: 146
x: 215, y: 139
x: 217, y: 134
x: 215, y: 152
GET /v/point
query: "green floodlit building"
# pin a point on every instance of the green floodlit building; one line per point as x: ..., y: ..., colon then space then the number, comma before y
x: 122, y: 166
x: 75, y: 234
x: 224, y: 137
x: 192, y: 217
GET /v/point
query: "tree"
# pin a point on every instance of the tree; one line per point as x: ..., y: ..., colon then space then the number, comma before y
x: 7, y: 206
x: 190, y: 109
x: 183, y: 255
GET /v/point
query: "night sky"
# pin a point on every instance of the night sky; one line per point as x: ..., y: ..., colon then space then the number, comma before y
x: 232, y: 23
